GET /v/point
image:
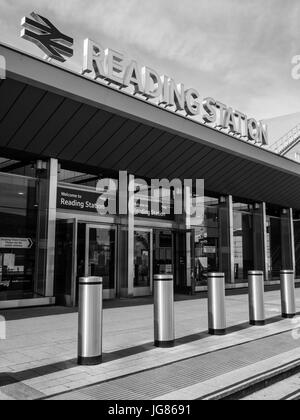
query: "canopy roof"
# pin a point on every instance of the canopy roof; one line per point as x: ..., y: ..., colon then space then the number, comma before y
x: 47, y: 111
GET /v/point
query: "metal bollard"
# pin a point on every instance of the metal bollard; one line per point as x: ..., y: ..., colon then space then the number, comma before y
x: 288, y: 300
x: 90, y: 321
x: 216, y: 304
x: 256, y: 298
x: 164, y: 328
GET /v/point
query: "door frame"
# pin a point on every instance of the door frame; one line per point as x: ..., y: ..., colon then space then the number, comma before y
x: 145, y: 291
x: 107, y: 293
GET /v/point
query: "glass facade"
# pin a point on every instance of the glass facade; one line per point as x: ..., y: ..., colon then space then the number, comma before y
x: 142, y: 259
x: 274, y: 248
x: 64, y: 247
x: 101, y: 255
x: 230, y: 236
x: 297, y: 246
x: 243, y: 241
x: 163, y: 249
x: 18, y: 227
x: 206, y: 239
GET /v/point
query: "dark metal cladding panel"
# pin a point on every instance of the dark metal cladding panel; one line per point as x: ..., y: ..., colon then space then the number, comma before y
x: 255, y: 186
x: 9, y: 92
x: 27, y: 136
x: 249, y: 178
x: 191, y: 154
x: 273, y: 182
x: 215, y: 158
x: 71, y: 130
x: 160, y: 161
x: 172, y: 157
x: 221, y: 166
x: 87, y: 131
x: 150, y: 153
x: 103, y: 150
x: 139, y: 148
x: 195, y: 161
x: 232, y: 169
x: 219, y: 169
x: 294, y: 186
x: 58, y: 119
x: 125, y: 148
x: 101, y: 136
x: 19, y: 113
x: 153, y: 157
x: 230, y: 179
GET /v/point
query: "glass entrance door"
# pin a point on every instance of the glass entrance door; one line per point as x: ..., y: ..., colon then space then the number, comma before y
x: 100, y: 257
x: 297, y: 246
x: 274, y: 251
x: 143, y: 262
x: 65, y: 262
x: 163, y: 252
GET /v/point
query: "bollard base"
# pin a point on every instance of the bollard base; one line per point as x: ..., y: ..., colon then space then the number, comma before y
x: 216, y: 332
x: 89, y: 361
x: 164, y: 344
x: 288, y: 316
x: 258, y: 323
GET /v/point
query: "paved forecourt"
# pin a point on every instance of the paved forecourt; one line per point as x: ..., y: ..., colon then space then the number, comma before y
x: 38, y: 359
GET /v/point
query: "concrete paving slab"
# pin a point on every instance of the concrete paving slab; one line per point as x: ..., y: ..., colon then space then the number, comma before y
x: 41, y: 351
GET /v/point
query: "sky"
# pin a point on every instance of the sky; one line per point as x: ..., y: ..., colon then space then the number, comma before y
x: 237, y: 51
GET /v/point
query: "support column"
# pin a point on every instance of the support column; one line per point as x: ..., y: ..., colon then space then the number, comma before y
x: 265, y: 241
x: 226, y: 245
x: 231, y: 238
x: 130, y: 266
x: 287, y: 240
x: 188, y: 260
x: 293, y: 240
x: 259, y: 239
x: 188, y: 238
x: 181, y: 253
x: 46, y: 227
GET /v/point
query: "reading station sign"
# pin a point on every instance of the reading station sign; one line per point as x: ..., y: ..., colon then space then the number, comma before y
x: 114, y: 69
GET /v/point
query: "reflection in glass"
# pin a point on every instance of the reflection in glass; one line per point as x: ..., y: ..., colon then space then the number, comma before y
x: 18, y: 220
x: 297, y: 246
x: 163, y: 252
x: 63, y: 259
x: 142, y: 259
x: 102, y: 255
x: 206, y: 242
x: 243, y: 240
x: 274, y: 251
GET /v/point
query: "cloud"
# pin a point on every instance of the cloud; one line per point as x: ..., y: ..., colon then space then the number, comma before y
x: 237, y: 51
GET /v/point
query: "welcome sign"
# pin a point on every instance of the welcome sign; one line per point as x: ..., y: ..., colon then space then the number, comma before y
x: 71, y: 199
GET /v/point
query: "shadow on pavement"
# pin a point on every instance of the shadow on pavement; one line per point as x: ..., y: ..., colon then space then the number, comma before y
x: 26, y: 313
x: 11, y: 378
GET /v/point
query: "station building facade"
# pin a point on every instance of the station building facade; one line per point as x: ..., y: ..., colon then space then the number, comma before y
x: 61, y: 132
